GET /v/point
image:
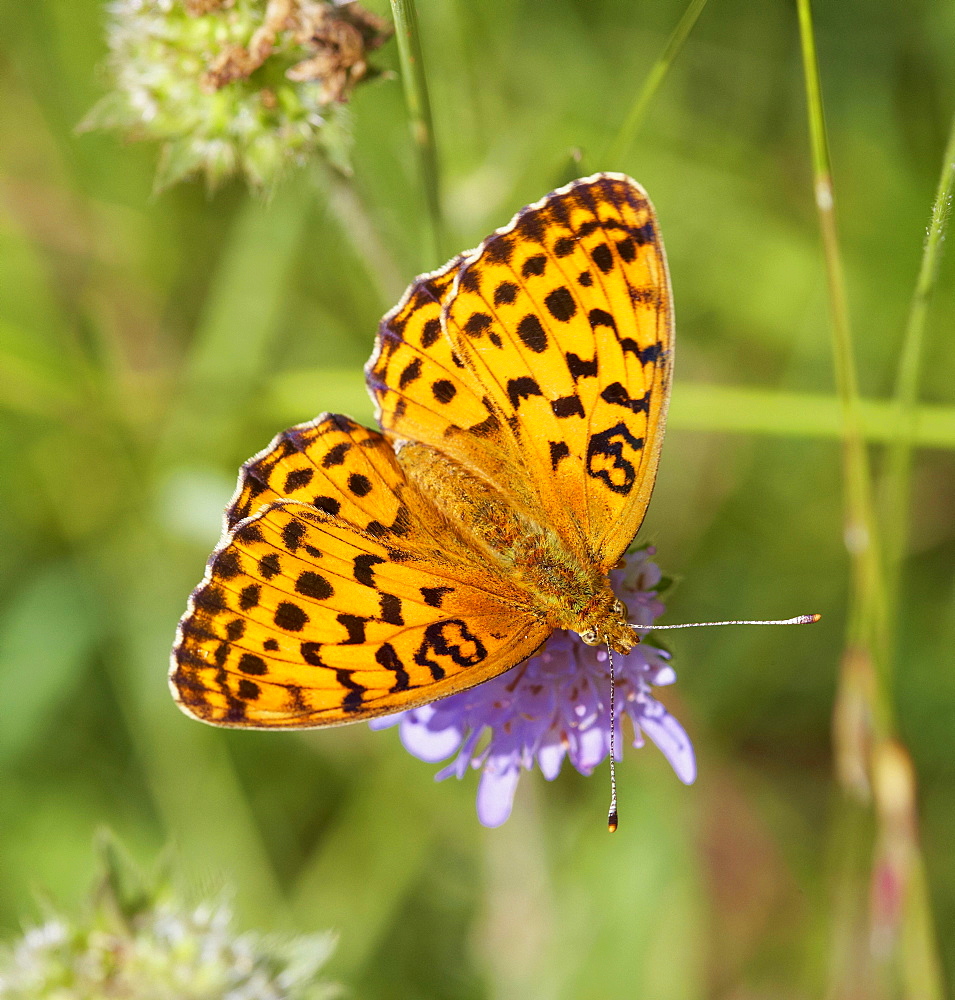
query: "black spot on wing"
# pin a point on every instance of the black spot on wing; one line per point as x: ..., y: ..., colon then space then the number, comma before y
x: 471, y: 280
x: 363, y: 568
x: 387, y: 657
x: 433, y: 596
x: 251, y: 533
x: 600, y: 317
x: 558, y: 450
x: 603, y: 257
x: 227, y: 565
x: 292, y: 535
x: 411, y: 373
x: 391, y: 609
x: 248, y: 690
x: 359, y: 485
x: 522, y: 388
x: 532, y: 333
x: 534, y: 266
x: 355, y: 627
x: 532, y: 226
x: 567, y: 406
x: 314, y: 585
x: 611, y: 455
x: 627, y: 249
x: 498, y: 250
x: 443, y: 390
x: 564, y: 246
x: 290, y: 617
x: 580, y: 367
x: 617, y: 394
x: 430, y: 332
x: 327, y: 504
x: 249, y: 663
x: 477, y: 324
x: 336, y: 454
x: 298, y: 478
x: 505, y: 293
x: 450, y: 640
x: 560, y: 304
x: 312, y: 654
x: 269, y: 566
x: 352, y: 701
x: 249, y: 596
x: 486, y: 428
x: 648, y: 355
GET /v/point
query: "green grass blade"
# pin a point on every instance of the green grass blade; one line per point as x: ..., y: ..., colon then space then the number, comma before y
x: 899, y: 460
x: 867, y: 625
x: 907, y: 936
x: 620, y: 147
x: 719, y: 409
x: 419, y: 116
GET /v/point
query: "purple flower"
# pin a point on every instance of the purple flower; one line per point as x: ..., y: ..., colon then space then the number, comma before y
x: 554, y: 705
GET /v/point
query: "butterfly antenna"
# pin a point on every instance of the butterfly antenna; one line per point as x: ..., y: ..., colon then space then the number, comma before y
x: 612, y: 815
x: 798, y: 620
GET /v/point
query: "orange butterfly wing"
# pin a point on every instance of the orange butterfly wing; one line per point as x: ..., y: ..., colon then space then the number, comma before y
x: 540, y: 364
x: 347, y: 605
x: 547, y: 362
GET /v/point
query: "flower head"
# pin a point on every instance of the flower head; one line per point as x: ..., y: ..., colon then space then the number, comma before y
x: 228, y: 87
x: 554, y: 706
x: 140, y: 941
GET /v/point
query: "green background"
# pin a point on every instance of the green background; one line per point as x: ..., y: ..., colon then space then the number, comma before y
x: 150, y: 344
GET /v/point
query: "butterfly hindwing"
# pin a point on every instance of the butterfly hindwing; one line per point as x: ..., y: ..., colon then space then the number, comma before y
x: 309, y: 616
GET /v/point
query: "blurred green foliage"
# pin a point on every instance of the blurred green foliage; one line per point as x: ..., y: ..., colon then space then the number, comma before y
x: 149, y: 345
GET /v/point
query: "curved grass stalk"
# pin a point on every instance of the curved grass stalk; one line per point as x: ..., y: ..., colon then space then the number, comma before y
x: 618, y: 149
x: 419, y: 117
x: 897, y: 486
x: 872, y: 761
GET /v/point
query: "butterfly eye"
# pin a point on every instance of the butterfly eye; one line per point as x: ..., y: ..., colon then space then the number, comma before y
x: 590, y: 637
x: 622, y: 611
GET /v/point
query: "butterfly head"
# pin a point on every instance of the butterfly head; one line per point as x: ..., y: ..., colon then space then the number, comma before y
x: 611, y: 628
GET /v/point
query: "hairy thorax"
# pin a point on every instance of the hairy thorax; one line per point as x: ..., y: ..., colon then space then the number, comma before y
x: 553, y: 574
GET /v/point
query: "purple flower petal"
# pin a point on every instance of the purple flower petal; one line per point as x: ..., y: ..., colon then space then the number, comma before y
x: 551, y: 754
x: 386, y: 721
x: 671, y: 739
x: 426, y: 743
x: 496, y: 793
x: 554, y: 706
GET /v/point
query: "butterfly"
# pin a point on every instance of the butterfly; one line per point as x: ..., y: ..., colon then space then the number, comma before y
x: 521, y: 391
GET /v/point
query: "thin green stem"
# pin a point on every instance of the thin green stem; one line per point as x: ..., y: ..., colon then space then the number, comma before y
x: 883, y: 761
x: 717, y: 409
x: 620, y: 147
x: 867, y: 625
x: 897, y: 486
x: 419, y: 117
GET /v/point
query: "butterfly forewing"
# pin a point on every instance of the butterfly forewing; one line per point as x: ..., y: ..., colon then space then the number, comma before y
x: 564, y: 318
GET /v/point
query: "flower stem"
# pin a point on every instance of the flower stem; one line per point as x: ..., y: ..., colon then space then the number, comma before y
x: 419, y: 118
x: 897, y: 485
x: 620, y: 147
x: 871, y: 760
x: 867, y: 624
